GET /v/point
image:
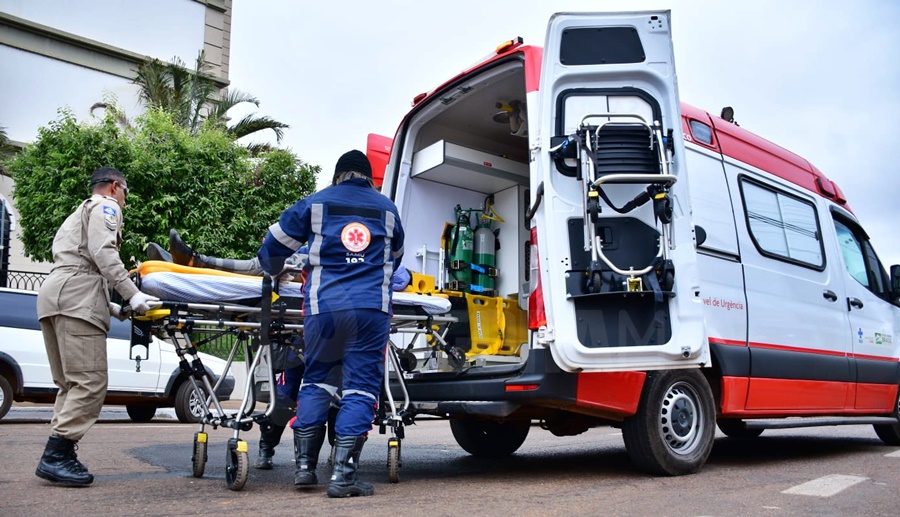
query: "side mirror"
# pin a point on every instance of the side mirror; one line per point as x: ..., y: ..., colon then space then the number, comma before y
x: 895, y: 282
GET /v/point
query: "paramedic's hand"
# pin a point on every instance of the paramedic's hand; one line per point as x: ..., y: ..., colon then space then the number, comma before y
x: 115, y: 310
x: 139, y: 301
x: 400, y: 279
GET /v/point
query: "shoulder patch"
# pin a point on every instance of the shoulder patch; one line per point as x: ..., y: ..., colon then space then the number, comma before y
x: 108, y: 210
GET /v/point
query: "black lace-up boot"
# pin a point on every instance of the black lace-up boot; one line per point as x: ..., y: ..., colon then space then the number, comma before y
x: 60, y: 464
x: 344, y: 480
x: 307, y: 444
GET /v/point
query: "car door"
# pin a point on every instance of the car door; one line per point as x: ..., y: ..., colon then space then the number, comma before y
x: 873, y: 318
x: 614, y: 70
x: 126, y: 374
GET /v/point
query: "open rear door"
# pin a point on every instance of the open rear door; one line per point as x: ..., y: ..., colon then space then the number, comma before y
x: 618, y: 263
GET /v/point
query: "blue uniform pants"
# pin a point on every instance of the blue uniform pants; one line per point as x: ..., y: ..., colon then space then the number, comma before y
x: 344, y: 351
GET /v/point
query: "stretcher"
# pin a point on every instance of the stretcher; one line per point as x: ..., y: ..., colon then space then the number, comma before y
x: 263, y: 313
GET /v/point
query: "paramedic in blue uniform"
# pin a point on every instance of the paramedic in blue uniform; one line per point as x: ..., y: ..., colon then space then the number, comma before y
x: 355, y: 243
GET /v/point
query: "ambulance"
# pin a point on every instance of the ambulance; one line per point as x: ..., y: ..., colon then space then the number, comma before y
x: 616, y: 257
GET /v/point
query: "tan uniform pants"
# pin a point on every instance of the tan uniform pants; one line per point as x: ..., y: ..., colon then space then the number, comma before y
x: 77, y: 353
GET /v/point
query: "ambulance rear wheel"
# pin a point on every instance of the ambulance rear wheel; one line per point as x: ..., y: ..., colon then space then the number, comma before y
x: 737, y: 428
x: 890, y: 433
x: 488, y: 439
x: 673, y: 430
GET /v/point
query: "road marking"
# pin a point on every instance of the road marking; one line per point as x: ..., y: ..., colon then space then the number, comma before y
x: 895, y: 454
x: 826, y: 486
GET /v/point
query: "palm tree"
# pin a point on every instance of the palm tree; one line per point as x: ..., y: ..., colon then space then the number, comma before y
x: 194, y: 99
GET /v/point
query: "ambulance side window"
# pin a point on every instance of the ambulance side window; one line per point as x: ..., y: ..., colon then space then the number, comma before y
x: 783, y: 226
x: 860, y: 259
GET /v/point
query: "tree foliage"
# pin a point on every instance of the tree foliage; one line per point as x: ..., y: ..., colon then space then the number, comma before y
x: 219, y: 197
x: 194, y: 100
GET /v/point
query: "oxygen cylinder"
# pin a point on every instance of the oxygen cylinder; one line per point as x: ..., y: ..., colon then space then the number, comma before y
x: 485, y: 255
x: 461, y: 249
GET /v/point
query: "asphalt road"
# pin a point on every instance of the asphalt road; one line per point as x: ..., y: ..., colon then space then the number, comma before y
x: 145, y: 469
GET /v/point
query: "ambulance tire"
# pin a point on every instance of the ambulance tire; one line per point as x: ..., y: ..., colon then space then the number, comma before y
x: 673, y: 431
x: 488, y: 439
x: 737, y: 428
x: 890, y: 433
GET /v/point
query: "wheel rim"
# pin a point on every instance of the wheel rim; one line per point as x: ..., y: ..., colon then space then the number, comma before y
x: 680, y: 420
x: 195, y: 404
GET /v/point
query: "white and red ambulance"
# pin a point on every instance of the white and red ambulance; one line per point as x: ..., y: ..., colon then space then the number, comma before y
x: 653, y: 266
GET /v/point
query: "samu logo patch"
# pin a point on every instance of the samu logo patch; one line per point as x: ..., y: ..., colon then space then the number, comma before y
x: 356, y: 237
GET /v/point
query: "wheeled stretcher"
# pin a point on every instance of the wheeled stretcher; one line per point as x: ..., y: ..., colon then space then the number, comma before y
x: 261, y: 314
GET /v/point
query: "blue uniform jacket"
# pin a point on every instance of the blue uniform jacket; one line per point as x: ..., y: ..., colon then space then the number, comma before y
x: 355, y: 243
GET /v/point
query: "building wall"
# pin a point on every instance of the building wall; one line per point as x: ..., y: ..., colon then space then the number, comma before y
x: 62, y: 54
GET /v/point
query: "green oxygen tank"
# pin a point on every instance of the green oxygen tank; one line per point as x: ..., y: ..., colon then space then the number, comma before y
x: 485, y: 257
x: 461, y: 251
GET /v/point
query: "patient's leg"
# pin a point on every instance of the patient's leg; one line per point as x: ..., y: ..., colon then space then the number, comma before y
x: 185, y: 255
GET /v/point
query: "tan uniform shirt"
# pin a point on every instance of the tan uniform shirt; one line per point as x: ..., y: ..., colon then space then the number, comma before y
x: 85, y: 262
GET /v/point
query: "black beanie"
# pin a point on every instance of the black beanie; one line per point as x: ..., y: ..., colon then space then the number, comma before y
x: 352, y: 161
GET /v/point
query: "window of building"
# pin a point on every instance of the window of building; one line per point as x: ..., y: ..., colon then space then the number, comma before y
x: 783, y: 226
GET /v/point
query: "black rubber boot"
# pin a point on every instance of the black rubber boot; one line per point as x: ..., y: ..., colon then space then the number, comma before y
x: 269, y: 437
x: 344, y: 481
x: 156, y: 252
x: 184, y: 254
x: 60, y: 464
x: 307, y: 444
x: 266, y: 452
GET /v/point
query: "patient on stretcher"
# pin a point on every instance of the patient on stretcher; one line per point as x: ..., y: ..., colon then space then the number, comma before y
x: 169, y: 277
x: 182, y: 254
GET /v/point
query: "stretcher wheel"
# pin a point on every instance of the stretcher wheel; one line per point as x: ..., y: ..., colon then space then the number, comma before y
x: 237, y: 464
x: 394, y: 460
x: 198, y: 460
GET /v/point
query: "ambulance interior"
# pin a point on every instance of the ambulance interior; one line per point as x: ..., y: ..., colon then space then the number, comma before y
x: 465, y: 153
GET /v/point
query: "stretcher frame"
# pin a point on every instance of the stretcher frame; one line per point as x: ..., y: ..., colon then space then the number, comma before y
x: 257, y: 330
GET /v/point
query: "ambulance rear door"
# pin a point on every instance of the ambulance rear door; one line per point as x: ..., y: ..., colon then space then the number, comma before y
x: 615, y: 241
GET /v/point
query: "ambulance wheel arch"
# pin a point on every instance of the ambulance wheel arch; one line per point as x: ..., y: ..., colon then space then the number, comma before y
x: 673, y: 430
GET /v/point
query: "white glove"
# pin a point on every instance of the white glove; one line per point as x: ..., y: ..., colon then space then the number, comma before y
x: 139, y: 301
x: 115, y: 310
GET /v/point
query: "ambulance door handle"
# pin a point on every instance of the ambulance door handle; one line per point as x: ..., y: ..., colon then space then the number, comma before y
x: 854, y: 302
x: 830, y: 295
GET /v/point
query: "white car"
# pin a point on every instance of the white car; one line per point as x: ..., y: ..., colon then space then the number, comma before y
x: 25, y: 371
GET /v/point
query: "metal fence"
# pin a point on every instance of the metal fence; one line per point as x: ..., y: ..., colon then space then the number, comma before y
x: 214, y: 343
x: 26, y: 280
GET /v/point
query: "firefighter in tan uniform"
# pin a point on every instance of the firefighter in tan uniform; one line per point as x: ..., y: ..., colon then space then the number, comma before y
x: 74, y: 308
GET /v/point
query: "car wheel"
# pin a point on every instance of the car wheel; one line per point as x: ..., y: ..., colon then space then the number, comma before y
x: 889, y: 433
x: 141, y: 414
x: 673, y: 431
x: 6, y: 396
x: 189, y: 404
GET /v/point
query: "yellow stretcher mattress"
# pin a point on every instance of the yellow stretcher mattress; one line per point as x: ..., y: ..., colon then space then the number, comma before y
x: 173, y: 282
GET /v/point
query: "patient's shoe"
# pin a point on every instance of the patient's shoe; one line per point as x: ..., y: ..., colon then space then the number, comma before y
x: 156, y: 252
x: 181, y: 252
